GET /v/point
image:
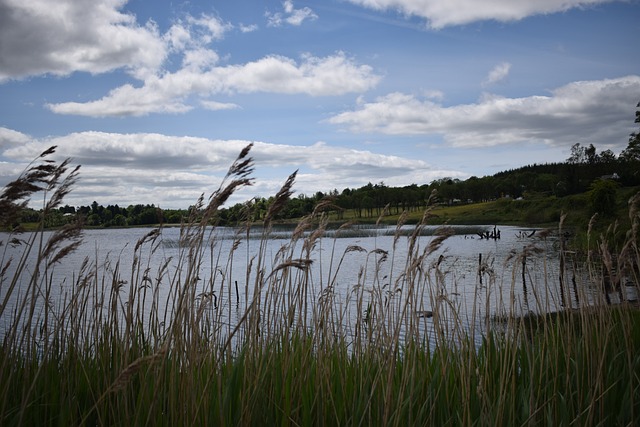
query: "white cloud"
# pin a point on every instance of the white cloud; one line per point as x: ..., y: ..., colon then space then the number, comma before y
x: 332, y: 75
x: 130, y: 101
x: 248, y: 28
x: 215, y: 27
x: 99, y: 37
x: 200, y: 59
x: 123, y: 168
x: 442, y: 13
x: 178, y: 37
x: 498, y: 74
x: 436, y: 95
x: 586, y: 112
x: 195, y: 33
x: 39, y: 37
x: 217, y: 106
x: 291, y: 15
x: 96, y: 37
x: 10, y: 137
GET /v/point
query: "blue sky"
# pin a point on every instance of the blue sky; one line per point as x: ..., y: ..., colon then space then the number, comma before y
x: 155, y: 98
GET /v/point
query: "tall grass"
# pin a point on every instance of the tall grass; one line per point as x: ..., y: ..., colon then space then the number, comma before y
x: 167, y: 346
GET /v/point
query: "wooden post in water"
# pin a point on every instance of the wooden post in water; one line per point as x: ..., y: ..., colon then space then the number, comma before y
x: 563, y: 301
x: 524, y: 281
x: 606, y: 283
x: 562, y: 297
x: 573, y: 282
x: 480, y: 267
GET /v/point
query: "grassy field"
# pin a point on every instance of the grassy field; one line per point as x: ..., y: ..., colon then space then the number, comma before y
x: 98, y: 357
x: 535, y: 210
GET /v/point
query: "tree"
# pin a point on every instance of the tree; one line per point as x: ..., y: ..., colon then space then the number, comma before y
x: 590, y: 153
x: 545, y: 183
x: 578, y: 154
x: 603, y: 196
x: 632, y: 152
x: 607, y: 156
x: 119, y: 220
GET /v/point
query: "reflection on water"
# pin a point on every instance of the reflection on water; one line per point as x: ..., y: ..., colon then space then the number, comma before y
x: 363, y: 272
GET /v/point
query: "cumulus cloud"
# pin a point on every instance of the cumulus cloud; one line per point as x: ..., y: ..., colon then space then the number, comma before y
x: 333, y: 75
x: 442, y: 13
x: 94, y: 37
x: 498, y: 74
x: 217, y: 106
x: 585, y: 112
x: 38, y: 37
x: 123, y: 168
x: 290, y: 15
x: 10, y: 138
x: 195, y: 33
x: 214, y: 26
x: 100, y: 37
x: 248, y: 28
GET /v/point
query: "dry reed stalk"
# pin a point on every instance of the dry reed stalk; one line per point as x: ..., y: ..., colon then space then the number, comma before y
x: 238, y: 173
x: 326, y: 204
x: 402, y: 219
x: 62, y: 189
x: 303, y: 225
x: 300, y: 264
x: 442, y: 234
x: 125, y: 376
x: 71, y: 232
x: 16, y: 194
x: 281, y: 198
x: 385, y: 212
x: 310, y: 242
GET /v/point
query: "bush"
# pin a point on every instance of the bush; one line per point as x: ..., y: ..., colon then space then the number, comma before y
x: 602, y: 196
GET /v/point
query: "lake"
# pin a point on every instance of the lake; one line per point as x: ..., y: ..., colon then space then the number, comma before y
x: 465, y: 279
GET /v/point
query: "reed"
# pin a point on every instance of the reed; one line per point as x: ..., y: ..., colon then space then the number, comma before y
x: 129, y: 343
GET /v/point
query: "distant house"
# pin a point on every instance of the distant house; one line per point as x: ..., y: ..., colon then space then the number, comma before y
x: 613, y: 176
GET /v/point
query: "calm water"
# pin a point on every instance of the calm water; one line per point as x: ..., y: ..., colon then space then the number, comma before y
x: 476, y: 278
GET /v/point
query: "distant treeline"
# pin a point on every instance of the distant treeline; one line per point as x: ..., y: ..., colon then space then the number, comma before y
x: 576, y: 175
x: 538, y: 180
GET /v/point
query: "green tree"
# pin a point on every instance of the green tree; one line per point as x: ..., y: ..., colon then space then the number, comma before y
x: 545, y: 183
x: 607, y: 156
x: 578, y: 154
x: 119, y: 220
x: 94, y: 220
x: 632, y: 152
x: 602, y: 196
x: 590, y: 153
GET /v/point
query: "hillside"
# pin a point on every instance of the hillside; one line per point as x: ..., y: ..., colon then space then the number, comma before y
x: 585, y: 184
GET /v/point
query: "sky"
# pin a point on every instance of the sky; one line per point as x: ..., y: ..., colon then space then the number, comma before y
x: 155, y: 98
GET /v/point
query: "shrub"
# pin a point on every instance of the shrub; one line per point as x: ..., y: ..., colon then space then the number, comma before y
x: 602, y: 196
